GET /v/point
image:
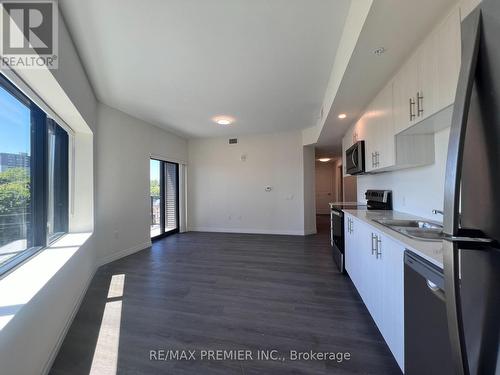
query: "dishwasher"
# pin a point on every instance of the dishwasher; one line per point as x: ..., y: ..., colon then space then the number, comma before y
x: 427, y: 344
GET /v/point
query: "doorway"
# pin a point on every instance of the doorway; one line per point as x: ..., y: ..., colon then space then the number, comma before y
x: 164, y: 198
x: 327, y: 185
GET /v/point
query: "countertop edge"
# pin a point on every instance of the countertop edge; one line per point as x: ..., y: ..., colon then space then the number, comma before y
x: 406, y: 242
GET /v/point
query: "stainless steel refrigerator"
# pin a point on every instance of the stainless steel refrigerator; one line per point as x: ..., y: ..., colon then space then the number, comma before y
x: 472, y: 199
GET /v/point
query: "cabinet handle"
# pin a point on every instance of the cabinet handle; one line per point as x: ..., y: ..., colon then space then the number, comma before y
x: 412, y: 103
x: 420, y: 103
x: 379, y: 248
x: 374, y: 244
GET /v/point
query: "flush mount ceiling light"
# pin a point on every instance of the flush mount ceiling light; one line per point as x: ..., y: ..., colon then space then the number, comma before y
x: 379, y: 51
x: 342, y: 116
x: 324, y: 160
x: 223, y: 120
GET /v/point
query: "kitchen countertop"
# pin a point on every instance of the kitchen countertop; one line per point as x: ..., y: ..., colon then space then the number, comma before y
x: 431, y: 251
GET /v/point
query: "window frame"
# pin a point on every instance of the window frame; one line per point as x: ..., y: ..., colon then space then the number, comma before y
x: 38, y: 236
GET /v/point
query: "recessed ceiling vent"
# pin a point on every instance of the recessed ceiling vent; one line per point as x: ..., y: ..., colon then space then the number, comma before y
x: 233, y: 141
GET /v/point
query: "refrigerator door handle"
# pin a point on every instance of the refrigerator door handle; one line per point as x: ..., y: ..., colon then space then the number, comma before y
x: 437, y: 291
x: 470, y: 48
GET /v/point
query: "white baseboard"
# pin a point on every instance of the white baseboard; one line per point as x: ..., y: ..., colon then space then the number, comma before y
x: 310, y: 231
x: 69, y: 321
x: 247, y: 231
x: 122, y: 253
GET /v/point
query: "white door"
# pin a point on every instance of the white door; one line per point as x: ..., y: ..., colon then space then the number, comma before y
x: 326, y: 190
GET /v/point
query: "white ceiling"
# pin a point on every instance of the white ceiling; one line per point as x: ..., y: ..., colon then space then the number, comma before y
x: 178, y: 63
x: 398, y: 26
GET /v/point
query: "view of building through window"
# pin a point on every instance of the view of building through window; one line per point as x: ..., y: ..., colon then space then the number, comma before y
x: 33, y: 177
x: 15, y: 153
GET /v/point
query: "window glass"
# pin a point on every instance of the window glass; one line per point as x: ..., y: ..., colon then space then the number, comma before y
x: 33, y: 178
x: 154, y: 187
x: 15, y: 176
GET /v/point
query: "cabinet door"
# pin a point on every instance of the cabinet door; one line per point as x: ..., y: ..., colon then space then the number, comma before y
x: 449, y: 57
x: 380, y: 141
x: 349, y: 248
x: 386, y: 142
x: 392, y: 297
x: 427, y: 78
x: 370, y: 134
x: 405, y: 89
x: 346, y: 143
x: 356, y: 248
x: 362, y: 232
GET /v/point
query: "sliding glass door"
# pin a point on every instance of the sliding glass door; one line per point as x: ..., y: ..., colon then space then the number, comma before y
x: 164, y: 198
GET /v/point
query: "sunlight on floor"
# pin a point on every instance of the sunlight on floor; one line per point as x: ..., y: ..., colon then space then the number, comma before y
x: 105, y: 360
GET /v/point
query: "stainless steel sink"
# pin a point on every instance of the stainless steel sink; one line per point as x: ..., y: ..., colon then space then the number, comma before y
x: 417, y: 229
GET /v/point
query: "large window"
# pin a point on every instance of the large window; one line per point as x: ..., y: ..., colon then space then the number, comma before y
x: 164, y: 197
x: 33, y: 178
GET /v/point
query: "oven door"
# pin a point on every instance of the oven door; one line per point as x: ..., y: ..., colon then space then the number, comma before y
x: 337, y: 237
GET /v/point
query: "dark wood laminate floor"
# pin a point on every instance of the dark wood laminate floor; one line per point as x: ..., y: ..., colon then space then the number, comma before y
x: 198, y: 291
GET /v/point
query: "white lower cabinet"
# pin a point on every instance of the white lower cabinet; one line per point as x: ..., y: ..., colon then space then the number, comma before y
x: 375, y: 264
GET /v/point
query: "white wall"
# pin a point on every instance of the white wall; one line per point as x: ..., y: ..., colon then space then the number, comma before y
x: 227, y: 194
x: 309, y: 190
x: 29, y: 341
x: 416, y: 190
x: 124, y: 145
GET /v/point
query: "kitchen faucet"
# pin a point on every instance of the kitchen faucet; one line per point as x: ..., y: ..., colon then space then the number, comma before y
x: 435, y: 212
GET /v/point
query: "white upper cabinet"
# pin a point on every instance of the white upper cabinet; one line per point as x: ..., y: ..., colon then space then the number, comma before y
x: 347, y: 142
x: 427, y: 82
x: 423, y: 87
x: 379, y: 131
x: 427, y: 95
x: 449, y: 57
x: 405, y: 89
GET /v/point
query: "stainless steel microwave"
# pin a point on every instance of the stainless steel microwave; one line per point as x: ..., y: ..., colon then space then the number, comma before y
x: 355, y: 158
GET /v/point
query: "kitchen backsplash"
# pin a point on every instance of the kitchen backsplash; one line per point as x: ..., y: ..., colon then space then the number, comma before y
x: 416, y: 190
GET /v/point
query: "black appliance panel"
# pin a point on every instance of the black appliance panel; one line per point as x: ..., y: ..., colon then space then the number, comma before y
x: 355, y: 158
x: 427, y: 346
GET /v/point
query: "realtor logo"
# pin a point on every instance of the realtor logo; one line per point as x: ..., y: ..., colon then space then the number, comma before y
x: 29, y: 34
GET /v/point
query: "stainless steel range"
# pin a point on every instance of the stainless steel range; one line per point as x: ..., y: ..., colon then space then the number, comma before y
x: 375, y: 200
